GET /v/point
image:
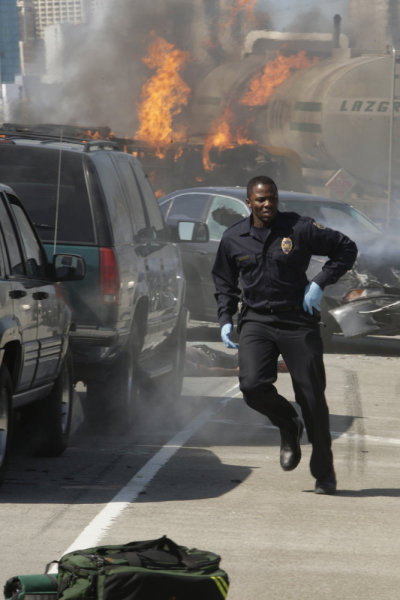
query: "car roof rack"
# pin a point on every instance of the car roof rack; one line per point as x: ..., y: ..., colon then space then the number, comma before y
x: 87, y: 138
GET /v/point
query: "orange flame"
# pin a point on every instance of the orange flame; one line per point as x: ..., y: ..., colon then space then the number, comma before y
x: 94, y: 134
x: 163, y: 96
x: 223, y: 136
x: 247, y: 5
x: 275, y: 73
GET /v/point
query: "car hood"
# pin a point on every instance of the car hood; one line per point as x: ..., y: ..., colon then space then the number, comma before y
x: 375, y: 307
x: 378, y: 261
x: 366, y: 299
x: 377, y: 265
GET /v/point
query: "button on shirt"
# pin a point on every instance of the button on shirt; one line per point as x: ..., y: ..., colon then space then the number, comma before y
x: 267, y: 267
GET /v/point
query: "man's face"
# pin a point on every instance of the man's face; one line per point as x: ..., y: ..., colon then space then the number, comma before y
x: 263, y: 201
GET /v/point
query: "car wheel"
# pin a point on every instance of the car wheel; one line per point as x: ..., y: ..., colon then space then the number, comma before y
x: 52, y: 415
x: 126, y: 392
x: 5, y: 417
x: 111, y: 402
x: 169, y: 386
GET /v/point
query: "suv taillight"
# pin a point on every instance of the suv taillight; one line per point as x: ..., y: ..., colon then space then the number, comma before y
x: 109, y: 277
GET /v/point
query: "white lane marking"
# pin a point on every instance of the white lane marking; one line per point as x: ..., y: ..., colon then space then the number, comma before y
x: 368, y: 438
x: 96, y: 529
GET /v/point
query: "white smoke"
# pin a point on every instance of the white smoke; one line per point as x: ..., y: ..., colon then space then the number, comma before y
x: 304, y: 15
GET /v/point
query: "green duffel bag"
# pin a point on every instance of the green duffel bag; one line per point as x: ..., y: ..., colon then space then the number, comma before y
x: 149, y: 570
x: 31, y: 587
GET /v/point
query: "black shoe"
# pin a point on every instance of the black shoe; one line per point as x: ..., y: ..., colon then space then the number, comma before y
x: 327, y: 484
x: 290, y: 445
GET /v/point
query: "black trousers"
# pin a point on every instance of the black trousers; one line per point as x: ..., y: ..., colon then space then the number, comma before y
x: 296, y: 336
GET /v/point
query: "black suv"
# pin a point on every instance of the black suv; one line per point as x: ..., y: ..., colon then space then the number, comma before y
x: 35, y: 362
x: 93, y: 199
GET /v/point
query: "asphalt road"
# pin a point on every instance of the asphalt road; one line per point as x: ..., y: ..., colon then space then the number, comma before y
x: 206, y: 473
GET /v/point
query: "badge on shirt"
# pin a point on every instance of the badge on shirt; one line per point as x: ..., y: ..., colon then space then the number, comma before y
x: 318, y: 225
x: 286, y: 245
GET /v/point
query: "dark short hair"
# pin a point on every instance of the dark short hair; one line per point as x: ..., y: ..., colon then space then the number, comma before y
x: 263, y: 179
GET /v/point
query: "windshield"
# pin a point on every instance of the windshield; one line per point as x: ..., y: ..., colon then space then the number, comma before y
x: 33, y: 174
x: 342, y: 217
x: 189, y: 205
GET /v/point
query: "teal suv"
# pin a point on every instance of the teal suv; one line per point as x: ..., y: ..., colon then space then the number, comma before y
x: 128, y: 314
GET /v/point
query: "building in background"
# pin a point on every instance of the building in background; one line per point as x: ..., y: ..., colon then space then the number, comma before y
x: 10, y: 64
x: 32, y: 35
x: 29, y: 44
x: 36, y: 16
x: 52, y: 12
x: 95, y: 4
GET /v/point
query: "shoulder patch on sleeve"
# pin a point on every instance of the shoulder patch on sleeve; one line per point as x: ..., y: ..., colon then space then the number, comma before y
x: 318, y: 225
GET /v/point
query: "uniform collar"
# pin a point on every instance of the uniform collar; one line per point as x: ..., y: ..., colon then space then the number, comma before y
x: 247, y: 224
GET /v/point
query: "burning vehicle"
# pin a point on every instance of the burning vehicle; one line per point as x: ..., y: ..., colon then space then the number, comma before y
x: 365, y: 301
x: 298, y: 107
x: 174, y: 142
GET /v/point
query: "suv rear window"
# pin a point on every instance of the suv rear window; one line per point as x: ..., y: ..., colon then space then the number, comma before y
x: 33, y: 173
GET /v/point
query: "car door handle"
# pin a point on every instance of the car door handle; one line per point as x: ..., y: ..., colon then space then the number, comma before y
x: 17, y: 294
x: 40, y: 295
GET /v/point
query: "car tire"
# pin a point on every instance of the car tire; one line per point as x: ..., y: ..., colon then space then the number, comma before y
x: 169, y: 386
x: 5, y: 417
x: 111, y: 402
x: 52, y: 415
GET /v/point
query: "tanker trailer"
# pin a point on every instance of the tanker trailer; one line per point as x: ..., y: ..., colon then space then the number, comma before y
x: 333, y: 114
x: 338, y: 115
x: 222, y: 89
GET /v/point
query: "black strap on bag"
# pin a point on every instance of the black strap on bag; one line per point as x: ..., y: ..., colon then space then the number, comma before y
x: 156, y: 554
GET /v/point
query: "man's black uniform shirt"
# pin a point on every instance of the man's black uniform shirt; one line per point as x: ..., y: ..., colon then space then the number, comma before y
x: 267, y: 267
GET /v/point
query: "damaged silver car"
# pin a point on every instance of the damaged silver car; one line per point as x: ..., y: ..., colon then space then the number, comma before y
x: 370, y: 293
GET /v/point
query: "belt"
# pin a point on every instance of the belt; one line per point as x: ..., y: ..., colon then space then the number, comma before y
x: 276, y: 310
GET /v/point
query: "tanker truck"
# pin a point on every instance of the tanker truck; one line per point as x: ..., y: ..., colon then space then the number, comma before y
x: 340, y: 114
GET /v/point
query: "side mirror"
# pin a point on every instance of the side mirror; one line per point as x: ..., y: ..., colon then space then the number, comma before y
x: 69, y: 267
x: 193, y: 231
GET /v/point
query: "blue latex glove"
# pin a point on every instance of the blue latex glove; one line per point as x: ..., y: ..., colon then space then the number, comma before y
x: 312, y: 297
x: 226, y: 331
